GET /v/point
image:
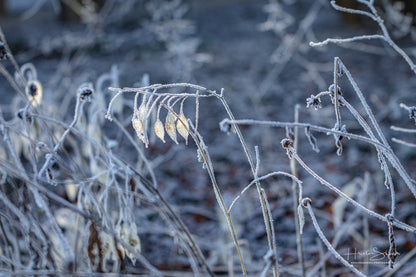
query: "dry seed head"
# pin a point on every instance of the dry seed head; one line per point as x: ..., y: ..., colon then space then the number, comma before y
x: 183, y: 126
x: 34, y: 92
x: 85, y: 93
x: 159, y: 130
x: 306, y: 201
x: 286, y: 143
x: 170, y: 126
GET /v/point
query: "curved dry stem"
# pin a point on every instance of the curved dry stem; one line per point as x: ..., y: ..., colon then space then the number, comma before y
x: 327, y: 243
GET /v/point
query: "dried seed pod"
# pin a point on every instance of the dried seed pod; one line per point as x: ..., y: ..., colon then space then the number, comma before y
x: 183, y: 126
x: 142, y: 111
x: 107, y: 245
x: 170, y: 126
x: 120, y: 230
x: 139, y: 128
x: 34, y: 92
x: 134, y: 241
x: 71, y: 191
x: 159, y: 130
x: 128, y: 233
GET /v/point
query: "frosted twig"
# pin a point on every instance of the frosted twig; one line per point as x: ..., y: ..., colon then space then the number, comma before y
x: 353, y: 11
x: 397, y: 223
x: 272, y: 235
x: 375, y: 17
x: 404, y: 130
x: 408, y: 144
x: 264, y: 177
x: 251, y: 163
x: 49, y: 157
x: 297, y: 195
x: 343, y: 40
x: 307, y: 204
x: 306, y: 125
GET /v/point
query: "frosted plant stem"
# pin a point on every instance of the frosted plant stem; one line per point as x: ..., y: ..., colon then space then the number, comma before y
x: 399, y: 264
x: 395, y: 222
x: 252, y: 166
x: 295, y: 179
x: 139, y: 150
x: 49, y: 157
x: 12, y: 82
x: 8, y: 245
x: 147, y: 187
x: 220, y: 200
x: 65, y: 203
x: 330, y: 186
x: 336, y: 93
x: 208, y: 165
x: 385, y: 149
x: 343, y: 40
x: 322, y: 257
x: 306, y: 203
x: 363, y: 101
x: 366, y: 225
x: 272, y: 244
x: 405, y: 130
x: 11, y: 57
x: 388, y: 39
x: 295, y: 192
x: 388, y: 179
x: 375, y: 17
x: 312, y: 127
x: 400, y: 141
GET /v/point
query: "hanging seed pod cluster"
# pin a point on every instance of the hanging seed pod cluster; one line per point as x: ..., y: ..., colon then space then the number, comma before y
x: 157, y: 112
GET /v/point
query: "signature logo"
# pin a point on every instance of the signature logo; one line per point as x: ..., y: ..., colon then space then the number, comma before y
x: 370, y: 256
